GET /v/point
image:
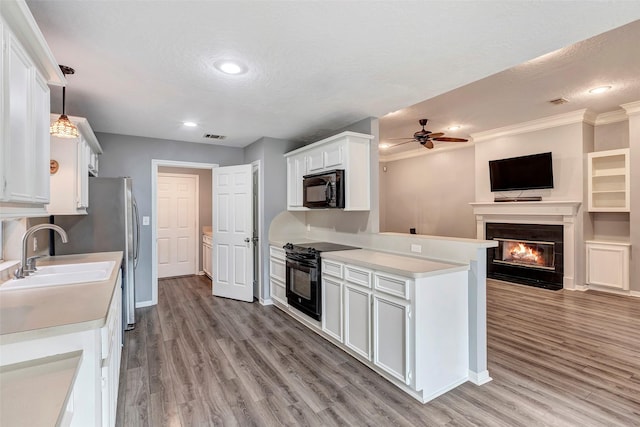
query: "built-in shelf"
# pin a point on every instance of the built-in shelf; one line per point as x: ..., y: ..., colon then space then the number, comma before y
x: 608, y: 181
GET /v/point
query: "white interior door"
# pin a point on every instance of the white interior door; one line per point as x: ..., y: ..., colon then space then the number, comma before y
x: 177, y: 234
x: 232, y: 232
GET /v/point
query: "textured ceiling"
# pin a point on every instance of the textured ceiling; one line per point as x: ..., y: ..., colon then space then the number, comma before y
x: 144, y: 67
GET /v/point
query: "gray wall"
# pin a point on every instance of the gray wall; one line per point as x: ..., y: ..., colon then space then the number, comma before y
x: 126, y: 155
x: 430, y: 193
x: 273, y: 174
x: 204, y: 198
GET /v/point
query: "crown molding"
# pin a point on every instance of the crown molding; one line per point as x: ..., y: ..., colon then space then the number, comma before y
x: 418, y: 152
x: 632, y: 108
x: 579, y: 116
x: 612, y: 117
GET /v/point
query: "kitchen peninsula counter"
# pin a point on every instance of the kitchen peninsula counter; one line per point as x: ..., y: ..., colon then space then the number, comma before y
x: 397, y: 264
x: 54, y: 310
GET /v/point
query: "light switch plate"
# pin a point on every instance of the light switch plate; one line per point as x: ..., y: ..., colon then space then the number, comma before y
x: 145, y: 220
x: 416, y: 248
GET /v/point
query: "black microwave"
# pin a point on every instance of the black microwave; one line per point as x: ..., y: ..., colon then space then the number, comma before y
x: 324, y: 190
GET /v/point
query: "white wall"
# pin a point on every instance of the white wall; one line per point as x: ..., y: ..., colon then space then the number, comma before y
x: 431, y: 193
x: 564, y: 142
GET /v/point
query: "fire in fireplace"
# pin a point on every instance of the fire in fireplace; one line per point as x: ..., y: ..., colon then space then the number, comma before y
x: 529, y: 254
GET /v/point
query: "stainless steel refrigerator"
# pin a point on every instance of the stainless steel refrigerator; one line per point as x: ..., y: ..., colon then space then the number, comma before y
x: 111, y: 224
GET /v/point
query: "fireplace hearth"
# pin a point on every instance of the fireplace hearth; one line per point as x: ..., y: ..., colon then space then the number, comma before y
x: 529, y: 254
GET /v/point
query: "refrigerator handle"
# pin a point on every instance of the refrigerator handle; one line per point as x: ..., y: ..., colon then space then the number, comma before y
x: 137, y: 240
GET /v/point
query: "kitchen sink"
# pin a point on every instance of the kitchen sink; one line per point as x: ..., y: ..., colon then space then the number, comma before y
x: 63, y: 274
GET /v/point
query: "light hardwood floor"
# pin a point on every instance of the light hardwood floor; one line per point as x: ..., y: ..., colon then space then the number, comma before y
x: 557, y: 359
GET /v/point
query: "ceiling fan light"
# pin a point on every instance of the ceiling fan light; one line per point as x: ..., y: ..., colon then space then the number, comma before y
x: 63, y: 128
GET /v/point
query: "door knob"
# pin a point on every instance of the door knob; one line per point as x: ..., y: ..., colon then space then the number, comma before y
x: 247, y: 240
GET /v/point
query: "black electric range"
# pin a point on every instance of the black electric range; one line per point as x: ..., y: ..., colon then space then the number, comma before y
x: 304, y: 284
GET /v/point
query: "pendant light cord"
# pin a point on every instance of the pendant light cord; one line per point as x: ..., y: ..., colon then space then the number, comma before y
x: 63, y: 99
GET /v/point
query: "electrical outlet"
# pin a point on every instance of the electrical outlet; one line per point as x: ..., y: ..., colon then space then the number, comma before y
x: 416, y: 248
x: 35, y: 244
x: 145, y: 220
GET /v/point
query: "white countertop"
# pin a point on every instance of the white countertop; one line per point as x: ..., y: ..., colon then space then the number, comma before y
x: 36, y: 392
x: 38, y: 312
x: 392, y: 263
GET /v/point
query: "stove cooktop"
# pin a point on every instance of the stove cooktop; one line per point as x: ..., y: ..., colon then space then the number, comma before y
x: 321, y: 246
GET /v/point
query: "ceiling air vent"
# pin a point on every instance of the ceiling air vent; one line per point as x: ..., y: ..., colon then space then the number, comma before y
x: 213, y: 136
x: 559, y: 101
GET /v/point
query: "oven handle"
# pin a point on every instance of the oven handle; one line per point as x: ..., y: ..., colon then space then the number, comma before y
x: 294, y: 262
x: 328, y: 192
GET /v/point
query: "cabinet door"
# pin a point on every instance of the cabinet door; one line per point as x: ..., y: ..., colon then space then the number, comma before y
x: 41, y: 154
x: 296, y: 169
x: 83, y: 174
x: 332, y: 307
x: 391, y: 337
x: 333, y: 156
x: 357, y: 320
x: 316, y: 160
x: 206, y: 259
x: 18, y: 148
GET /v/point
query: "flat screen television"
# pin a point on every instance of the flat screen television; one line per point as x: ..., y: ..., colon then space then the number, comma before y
x: 521, y: 173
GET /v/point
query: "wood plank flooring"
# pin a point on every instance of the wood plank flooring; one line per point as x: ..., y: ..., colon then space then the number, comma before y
x: 557, y: 359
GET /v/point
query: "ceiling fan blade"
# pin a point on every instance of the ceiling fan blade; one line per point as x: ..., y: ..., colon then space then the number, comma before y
x: 401, y: 143
x: 428, y: 144
x: 446, y: 139
x: 398, y: 139
x: 435, y: 135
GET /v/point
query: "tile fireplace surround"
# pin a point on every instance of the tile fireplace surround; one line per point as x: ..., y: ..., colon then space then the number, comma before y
x: 564, y: 213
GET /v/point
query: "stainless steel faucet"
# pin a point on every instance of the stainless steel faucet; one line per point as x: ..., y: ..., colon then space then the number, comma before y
x: 28, y: 265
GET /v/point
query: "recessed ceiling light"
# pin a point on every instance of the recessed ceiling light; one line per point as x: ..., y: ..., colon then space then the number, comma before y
x: 190, y: 124
x: 454, y: 127
x: 384, y: 146
x: 230, y: 67
x: 600, y: 89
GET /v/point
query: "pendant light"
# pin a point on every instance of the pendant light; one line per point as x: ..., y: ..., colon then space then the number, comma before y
x: 63, y: 128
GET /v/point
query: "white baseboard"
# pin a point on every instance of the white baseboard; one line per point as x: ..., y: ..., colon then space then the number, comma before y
x: 580, y: 288
x: 266, y: 301
x: 479, y: 378
x: 634, y: 294
x: 141, y: 304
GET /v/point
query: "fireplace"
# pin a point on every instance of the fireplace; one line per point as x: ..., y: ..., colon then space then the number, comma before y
x: 529, y: 254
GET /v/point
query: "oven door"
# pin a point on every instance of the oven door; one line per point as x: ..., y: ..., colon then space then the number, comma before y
x: 303, y: 286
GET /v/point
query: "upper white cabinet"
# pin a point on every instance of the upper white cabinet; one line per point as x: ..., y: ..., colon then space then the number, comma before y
x: 348, y: 151
x: 70, y: 183
x: 27, y: 67
x: 608, y: 181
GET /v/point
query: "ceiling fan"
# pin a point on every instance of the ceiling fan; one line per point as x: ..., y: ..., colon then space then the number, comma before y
x: 426, y: 137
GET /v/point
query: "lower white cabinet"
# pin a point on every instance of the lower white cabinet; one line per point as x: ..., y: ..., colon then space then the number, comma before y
x: 277, y: 275
x: 332, y: 319
x: 206, y: 255
x: 391, y: 336
x: 95, y: 391
x: 608, y: 264
x: 357, y: 320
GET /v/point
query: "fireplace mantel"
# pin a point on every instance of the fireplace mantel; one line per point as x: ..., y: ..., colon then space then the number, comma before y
x: 555, y: 208
x: 544, y: 212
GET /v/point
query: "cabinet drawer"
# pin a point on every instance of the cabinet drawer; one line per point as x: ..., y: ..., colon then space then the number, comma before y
x: 276, y: 252
x: 359, y: 276
x: 392, y: 285
x: 277, y: 269
x: 206, y: 239
x: 332, y: 268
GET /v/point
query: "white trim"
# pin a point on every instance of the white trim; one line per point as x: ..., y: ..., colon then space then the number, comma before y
x: 266, y: 301
x: 632, y: 108
x: 422, y: 152
x: 196, y: 213
x: 579, y: 116
x: 148, y: 303
x: 331, y: 138
x: 635, y: 294
x: 612, y: 117
x: 479, y: 378
x: 261, y: 282
x: 155, y: 163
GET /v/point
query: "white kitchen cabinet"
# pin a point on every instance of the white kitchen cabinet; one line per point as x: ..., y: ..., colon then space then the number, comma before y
x: 27, y: 67
x: 609, y: 181
x: 391, y: 339
x: 70, y: 184
x: 332, y: 319
x: 348, y: 151
x: 277, y: 275
x: 608, y: 264
x: 296, y: 169
x: 357, y: 320
x: 207, y: 255
x: 95, y: 391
